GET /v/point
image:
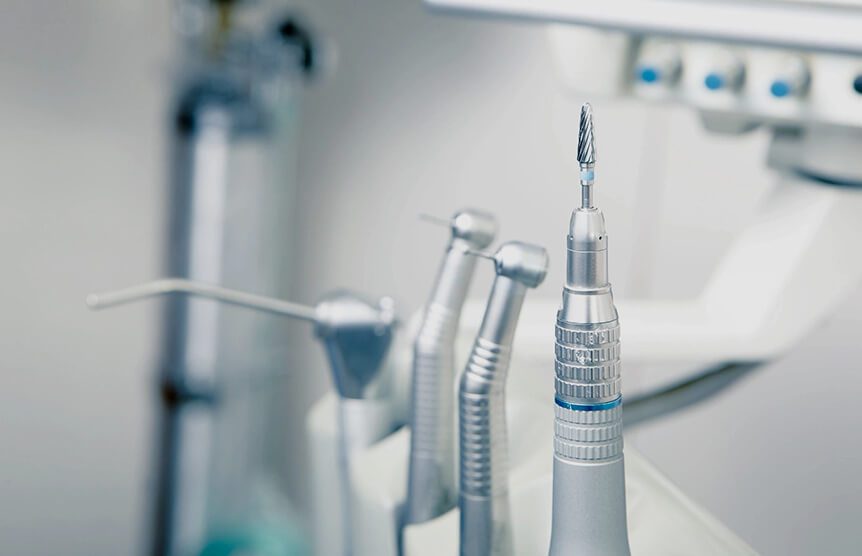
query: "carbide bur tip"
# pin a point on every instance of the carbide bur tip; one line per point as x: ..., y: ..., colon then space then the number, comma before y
x: 586, y: 137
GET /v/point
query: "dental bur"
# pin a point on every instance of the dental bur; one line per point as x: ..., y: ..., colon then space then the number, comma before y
x: 589, y: 502
x: 484, y: 473
x: 431, y: 476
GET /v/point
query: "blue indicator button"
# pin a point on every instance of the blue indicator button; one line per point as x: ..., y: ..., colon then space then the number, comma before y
x: 714, y: 82
x: 603, y: 406
x: 648, y: 74
x: 780, y: 88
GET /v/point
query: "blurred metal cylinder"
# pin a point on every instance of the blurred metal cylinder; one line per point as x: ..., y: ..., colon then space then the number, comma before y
x: 229, y: 203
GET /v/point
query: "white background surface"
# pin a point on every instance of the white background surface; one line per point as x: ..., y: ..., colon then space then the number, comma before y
x: 423, y: 113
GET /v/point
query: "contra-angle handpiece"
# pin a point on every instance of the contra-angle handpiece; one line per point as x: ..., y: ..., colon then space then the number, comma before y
x: 356, y: 336
x: 431, y: 476
x: 484, y: 471
x: 589, y: 502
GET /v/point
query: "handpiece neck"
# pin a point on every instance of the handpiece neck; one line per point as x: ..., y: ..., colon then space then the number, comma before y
x: 453, y: 278
x: 587, y: 251
x: 503, y: 310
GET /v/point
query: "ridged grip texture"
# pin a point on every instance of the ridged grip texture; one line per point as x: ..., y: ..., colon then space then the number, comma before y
x: 482, y: 423
x: 587, y: 374
x: 432, y: 427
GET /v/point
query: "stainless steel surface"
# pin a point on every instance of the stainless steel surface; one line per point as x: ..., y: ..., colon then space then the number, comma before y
x: 589, y: 508
x: 484, y: 471
x: 431, y: 475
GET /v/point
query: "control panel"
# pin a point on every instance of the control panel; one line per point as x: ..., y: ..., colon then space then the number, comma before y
x: 778, y: 62
x: 759, y: 85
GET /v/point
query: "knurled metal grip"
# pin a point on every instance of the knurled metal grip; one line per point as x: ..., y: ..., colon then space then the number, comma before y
x: 588, y: 413
x: 438, y: 333
x: 482, y: 422
x: 432, y: 472
x: 485, y: 518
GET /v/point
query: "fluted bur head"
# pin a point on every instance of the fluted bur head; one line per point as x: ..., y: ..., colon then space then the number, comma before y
x: 586, y: 136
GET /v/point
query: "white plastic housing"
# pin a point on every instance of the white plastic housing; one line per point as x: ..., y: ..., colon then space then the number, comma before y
x: 778, y: 23
x: 826, y: 92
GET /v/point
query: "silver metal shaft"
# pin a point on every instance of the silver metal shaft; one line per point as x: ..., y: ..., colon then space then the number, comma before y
x: 193, y: 338
x: 589, y: 505
x: 484, y: 471
x: 431, y: 475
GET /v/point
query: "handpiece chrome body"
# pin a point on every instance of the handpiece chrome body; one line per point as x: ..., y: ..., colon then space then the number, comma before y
x: 431, y: 476
x: 589, y: 504
x: 484, y: 493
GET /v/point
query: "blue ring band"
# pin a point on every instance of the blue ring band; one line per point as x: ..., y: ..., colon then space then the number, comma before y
x: 589, y: 407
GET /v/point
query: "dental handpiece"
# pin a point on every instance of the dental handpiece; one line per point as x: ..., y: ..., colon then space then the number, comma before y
x: 431, y: 475
x: 589, y: 503
x: 484, y: 473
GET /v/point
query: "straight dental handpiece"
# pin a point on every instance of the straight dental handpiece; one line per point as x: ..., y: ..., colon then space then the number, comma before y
x: 589, y: 503
x: 431, y: 474
x: 485, y: 528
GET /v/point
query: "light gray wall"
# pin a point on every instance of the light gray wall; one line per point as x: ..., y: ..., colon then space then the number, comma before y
x: 81, y: 182
x: 423, y: 113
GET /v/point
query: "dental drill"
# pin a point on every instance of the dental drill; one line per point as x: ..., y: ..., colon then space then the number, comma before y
x: 356, y: 336
x: 589, y: 501
x: 484, y: 473
x: 431, y: 475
